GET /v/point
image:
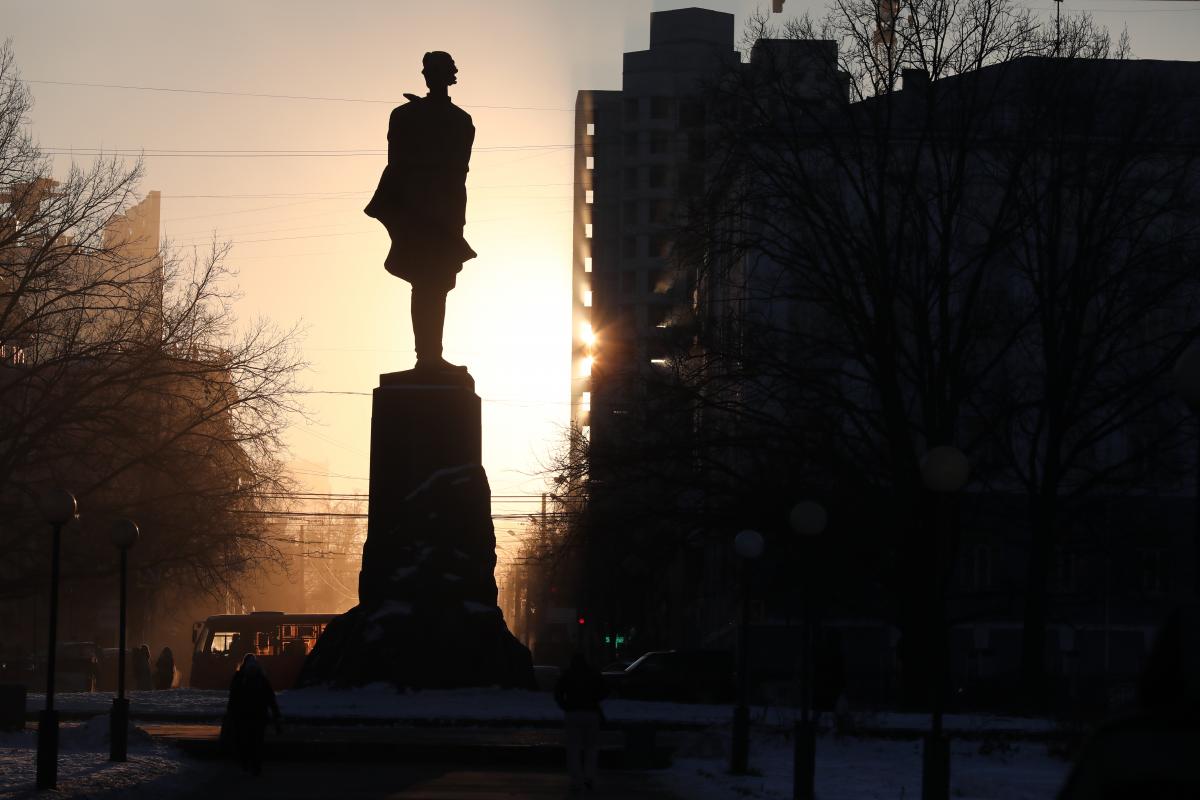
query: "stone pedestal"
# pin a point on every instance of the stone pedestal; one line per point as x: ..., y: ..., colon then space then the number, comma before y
x: 427, y: 614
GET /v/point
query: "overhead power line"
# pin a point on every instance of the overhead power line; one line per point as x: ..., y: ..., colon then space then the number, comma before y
x: 210, y: 153
x: 272, y: 96
x: 339, y: 195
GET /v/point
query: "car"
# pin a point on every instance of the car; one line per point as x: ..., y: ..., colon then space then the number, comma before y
x: 109, y: 658
x: 687, y: 676
x: 78, y: 666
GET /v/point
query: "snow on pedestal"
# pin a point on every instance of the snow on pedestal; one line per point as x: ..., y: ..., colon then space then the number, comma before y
x: 427, y: 614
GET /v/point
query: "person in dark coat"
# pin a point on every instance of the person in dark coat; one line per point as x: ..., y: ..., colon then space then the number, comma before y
x: 421, y: 200
x: 164, y: 669
x: 578, y: 693
x: 143, y: 680
x: 1151, y: 754
x: 251, y: 698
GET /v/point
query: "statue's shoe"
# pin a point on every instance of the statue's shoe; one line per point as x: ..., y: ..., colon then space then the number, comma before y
x: 437, y: 365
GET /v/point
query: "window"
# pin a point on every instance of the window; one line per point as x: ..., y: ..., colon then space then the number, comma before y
x: 590, y: 162
x: 978, y: 566
x: 587, y: 298
x: 660, y: 212
x: 654, y: 280
x: 658, y: 176
x: 691, y: 112
x: 1064, y: 570
x: 628, y: 278
x: 660, y: 107
x: 696, y: 148
x: 585, y: 403
x: 587, y: 229
x: 659, y: 143
x: 631, y: 144
x: 591, y: 129
x: 631, y: 177
x: 1152, y: 571
x: 589, y: 196
x: 632, y: 217
x: 631, y: 108
x: 629, y: 247
x: 660, y: 246
x: 691, y: 182
x: 587, y: 263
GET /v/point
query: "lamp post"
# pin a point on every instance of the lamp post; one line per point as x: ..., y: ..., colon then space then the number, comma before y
x: 58, y: 508
x: 1187, y: 383
x: 124, y: 535
x: 808, y: 520
x: 944, y: 471
x: 749, y: 546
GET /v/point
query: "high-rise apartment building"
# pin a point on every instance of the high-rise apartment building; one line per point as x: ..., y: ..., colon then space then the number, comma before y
x: 639, y: 157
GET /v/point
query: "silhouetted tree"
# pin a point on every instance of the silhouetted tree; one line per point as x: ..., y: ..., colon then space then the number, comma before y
x: 126, y: 379
x: 860, y: 258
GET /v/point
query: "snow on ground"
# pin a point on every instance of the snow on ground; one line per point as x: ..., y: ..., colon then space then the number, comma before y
x: 850, y: 768
x: 383, y: 702
x: 154, y: 770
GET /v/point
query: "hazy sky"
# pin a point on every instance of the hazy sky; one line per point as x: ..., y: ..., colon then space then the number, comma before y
x: 303, y: 249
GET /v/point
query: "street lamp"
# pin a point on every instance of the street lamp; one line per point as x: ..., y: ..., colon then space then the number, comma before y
x: 1187, y: 383
x: 808, y: 520
x: 58, y: 508
x: 944, y: 470
x: 749, y: 546
x: 123, y: 535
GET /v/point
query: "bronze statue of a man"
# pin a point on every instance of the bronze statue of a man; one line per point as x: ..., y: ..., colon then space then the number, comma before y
x: 422, y: 201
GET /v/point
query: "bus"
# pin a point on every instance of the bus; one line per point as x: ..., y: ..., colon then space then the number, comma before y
x: 279, y: 641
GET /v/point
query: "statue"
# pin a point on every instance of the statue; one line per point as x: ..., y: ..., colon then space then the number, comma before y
x: 422, y: 202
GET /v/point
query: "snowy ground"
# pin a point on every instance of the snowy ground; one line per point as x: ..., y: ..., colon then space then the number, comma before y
x: 153, y: 770
x: 850, y: 768
x: 382, y: 702
x: 986, y: 767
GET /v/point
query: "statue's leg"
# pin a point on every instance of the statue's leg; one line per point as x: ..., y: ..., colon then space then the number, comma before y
x: 428, y: 317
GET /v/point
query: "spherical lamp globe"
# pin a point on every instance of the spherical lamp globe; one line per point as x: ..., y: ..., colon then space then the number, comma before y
x: 945, y: 469
x: 748, y: 544
x: 808, y: 518
x: 123, y: 534
x: 57, y: 506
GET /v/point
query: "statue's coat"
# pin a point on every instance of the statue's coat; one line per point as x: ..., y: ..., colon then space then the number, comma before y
x: 422, y: 196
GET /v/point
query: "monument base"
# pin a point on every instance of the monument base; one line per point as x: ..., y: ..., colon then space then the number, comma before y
x: 427, y: 614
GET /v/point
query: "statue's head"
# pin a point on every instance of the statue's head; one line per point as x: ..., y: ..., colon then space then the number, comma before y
x: 438, y: 69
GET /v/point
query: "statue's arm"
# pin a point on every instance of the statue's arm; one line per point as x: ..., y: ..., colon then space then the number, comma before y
x: 396, y: 139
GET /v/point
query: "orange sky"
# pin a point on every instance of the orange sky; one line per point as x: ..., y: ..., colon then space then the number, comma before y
x: 317, y: 260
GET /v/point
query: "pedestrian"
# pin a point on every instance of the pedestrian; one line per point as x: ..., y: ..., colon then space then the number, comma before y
x: 142, y: 679
x: 250, y: 699
x: 164, y: 669
x: 1145, y: 754
x: 578, y: 694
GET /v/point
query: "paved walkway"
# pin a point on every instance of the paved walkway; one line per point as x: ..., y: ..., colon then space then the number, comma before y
x: 302, y: 781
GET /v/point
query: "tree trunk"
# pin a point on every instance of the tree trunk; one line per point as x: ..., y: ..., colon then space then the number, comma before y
x: 1043, y: 512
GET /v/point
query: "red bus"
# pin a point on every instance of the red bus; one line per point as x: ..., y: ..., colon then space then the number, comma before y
x: 280, y: 642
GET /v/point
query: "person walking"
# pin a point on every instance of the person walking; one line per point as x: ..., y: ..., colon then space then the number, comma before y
x: 250, y: 699
x: 578, y: 694
x: 143, y: 681
x: 164, y: 669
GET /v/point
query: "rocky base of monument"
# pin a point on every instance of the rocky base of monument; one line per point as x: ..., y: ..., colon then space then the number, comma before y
x: 427, y: 615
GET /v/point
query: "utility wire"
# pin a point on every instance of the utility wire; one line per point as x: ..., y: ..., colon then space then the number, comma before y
x: 266, y: 95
